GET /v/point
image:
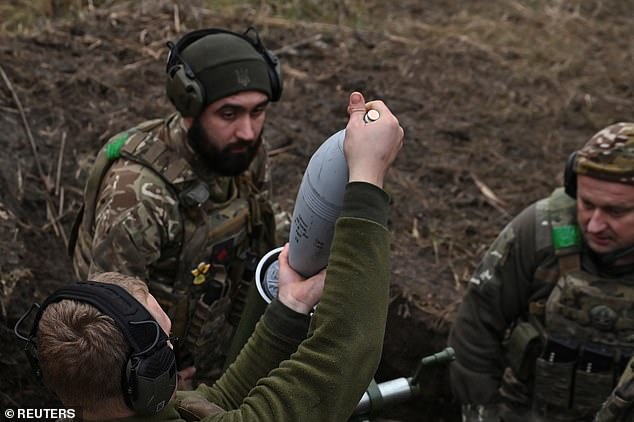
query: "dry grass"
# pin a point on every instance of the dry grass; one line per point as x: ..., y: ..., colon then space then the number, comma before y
x: 27, y: 15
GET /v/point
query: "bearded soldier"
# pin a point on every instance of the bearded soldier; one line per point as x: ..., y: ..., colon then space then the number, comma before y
x: 183, y: 202
x: 547, y: 325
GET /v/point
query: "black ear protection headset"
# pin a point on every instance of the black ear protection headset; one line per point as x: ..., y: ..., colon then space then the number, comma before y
x: 187, y: 93
x: 570, y: 177
x: 149, y: 375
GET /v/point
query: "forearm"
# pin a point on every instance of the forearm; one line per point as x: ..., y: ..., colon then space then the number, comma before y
x: 275, y: 338
x: 332, y: 368
x: 476, y: 373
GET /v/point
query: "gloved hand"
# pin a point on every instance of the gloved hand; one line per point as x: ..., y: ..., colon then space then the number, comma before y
x: 481, y: 413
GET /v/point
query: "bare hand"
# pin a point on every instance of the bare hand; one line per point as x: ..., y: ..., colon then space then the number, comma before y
x: 296, y: 292
x: 370, y: 148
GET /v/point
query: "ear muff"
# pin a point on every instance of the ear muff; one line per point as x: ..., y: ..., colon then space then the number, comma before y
x: 149, y: 375
x: 187, y: 93
x: 570, y: 177
x: 184, y: 90
x: 149, y: 381
x: 273, y: 63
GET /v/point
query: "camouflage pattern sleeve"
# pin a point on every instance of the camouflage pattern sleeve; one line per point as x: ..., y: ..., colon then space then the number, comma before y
x: 266, y: 238
x: 498, y: 294
x: 261, y: 172
x: 136, y: 217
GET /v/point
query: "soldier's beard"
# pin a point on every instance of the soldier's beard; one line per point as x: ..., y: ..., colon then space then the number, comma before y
x: 228, y: 161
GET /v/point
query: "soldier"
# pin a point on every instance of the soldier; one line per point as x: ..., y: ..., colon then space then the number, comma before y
x: 546, y: 326
x: 183, y: 202
x: 107, y: 351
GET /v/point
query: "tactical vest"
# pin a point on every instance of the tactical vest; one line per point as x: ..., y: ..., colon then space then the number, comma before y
x: 585, y: 327
x: 203, y: 285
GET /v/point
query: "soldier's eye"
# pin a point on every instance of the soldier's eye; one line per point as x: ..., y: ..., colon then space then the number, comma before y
x: 618, y: 212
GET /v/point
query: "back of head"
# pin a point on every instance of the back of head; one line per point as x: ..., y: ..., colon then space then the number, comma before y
x: 78, y: 342
x: 99, y: 348
x: 209, y: 64
x: 608, y: 155
x: 81, y: 352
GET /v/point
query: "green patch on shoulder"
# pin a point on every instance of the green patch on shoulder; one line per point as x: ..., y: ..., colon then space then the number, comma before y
x: 113, y: 148
x: 566, y: 236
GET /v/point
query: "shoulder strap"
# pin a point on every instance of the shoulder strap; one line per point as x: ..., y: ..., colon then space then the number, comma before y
x: 106, y: 156
x: 557, y: 224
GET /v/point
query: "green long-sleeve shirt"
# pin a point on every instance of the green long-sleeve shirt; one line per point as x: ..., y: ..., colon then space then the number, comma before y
x: 327, y: 375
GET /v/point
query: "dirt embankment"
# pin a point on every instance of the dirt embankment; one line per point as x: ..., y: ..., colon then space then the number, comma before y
x: 492, y: 97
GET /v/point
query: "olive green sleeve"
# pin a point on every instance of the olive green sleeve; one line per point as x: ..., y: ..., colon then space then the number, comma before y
x: 497, y: 295
x: 327, y: 376
x: 275, y: 338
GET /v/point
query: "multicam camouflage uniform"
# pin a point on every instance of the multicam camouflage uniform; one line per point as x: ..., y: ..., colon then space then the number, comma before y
x: 546, y: 326
x: 152, y: 210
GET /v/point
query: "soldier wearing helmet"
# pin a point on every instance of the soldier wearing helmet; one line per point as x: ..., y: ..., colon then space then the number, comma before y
x: 546, y: 327
x: 183, y: 202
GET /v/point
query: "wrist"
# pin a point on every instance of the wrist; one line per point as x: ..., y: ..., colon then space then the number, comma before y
x: 294, y: 304
x: 367, y: 176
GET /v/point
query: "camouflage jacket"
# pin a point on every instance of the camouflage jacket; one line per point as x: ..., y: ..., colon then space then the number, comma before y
x: 515, y: 282
x: 153, y: 210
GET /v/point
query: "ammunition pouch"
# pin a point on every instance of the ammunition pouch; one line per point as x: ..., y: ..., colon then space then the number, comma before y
x: 594, y: 378
x: 573, y: 380
x: 553, y: 383
x: 590, y: 390
x: 523, y: 346
x: 554, y: 376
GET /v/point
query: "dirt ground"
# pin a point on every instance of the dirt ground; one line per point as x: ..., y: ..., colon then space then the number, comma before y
x: 493, y: 97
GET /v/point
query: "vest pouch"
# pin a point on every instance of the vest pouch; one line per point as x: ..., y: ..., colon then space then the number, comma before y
x: 208, y: 337
x: 522, y: 348
x: 594, y: 379
x: 553, y: 383
x: 590, y: 391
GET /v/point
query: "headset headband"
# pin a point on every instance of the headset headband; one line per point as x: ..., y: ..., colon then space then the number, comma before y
x: 188, y: 94
x: 137, y: 325
x: 149, y: 373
